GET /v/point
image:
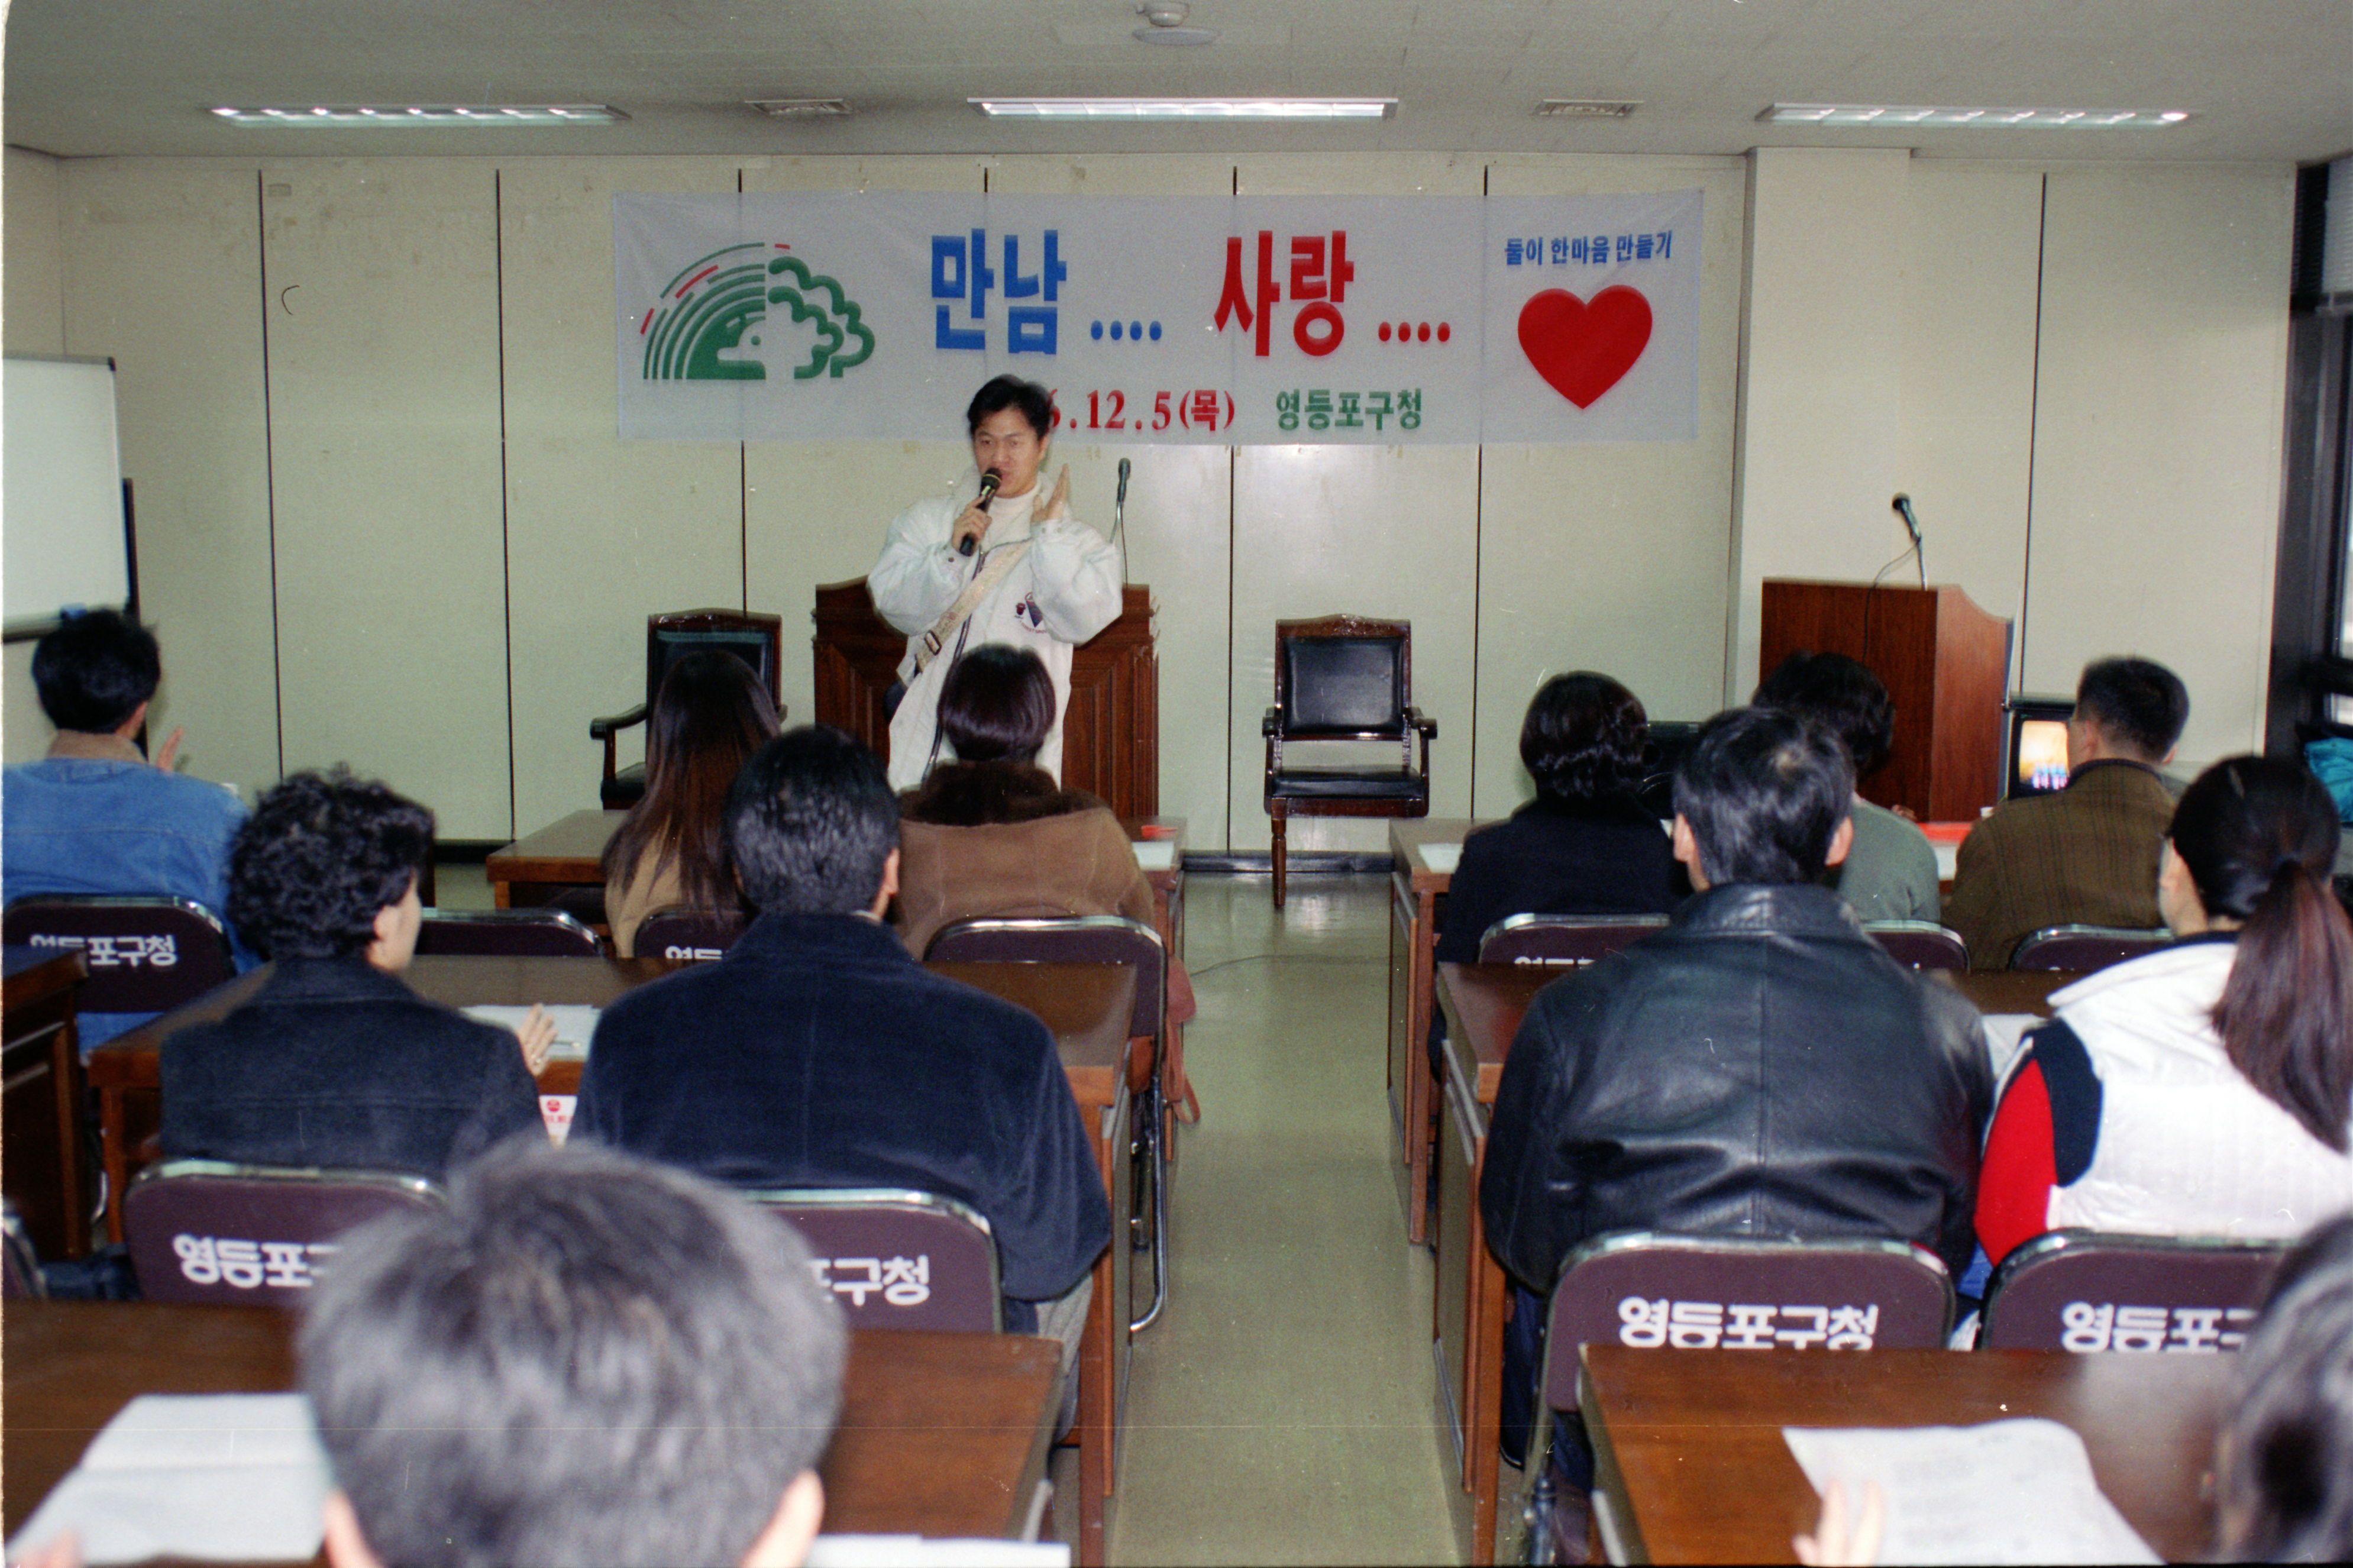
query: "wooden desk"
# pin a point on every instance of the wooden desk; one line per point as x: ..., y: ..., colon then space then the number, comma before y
x: 1086, y: 1006
x: 1483, y: 1004
x: 567, y: 853
x: 1415, y: 888
x: 43, y: 1164
x: 1688, y: 1447
x: 942, y: 1435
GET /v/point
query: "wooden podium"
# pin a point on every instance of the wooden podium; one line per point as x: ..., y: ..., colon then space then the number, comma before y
x: 1947, y: 665
x: 1111, y: 730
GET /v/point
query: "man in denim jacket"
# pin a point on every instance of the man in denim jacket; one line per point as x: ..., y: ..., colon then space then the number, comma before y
x: 94, y: 816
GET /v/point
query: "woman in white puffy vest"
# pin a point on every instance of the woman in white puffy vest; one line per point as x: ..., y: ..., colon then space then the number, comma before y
x: 2205, y: 1089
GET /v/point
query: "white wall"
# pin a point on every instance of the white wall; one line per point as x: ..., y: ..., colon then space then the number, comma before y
x: 1870, y: 322
x: 32, y: 321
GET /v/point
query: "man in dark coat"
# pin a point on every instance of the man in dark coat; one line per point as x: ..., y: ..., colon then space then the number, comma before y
x: 819, y: 1054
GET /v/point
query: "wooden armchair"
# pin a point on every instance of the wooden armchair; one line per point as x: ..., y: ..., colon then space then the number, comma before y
x: 1342, y: 677
x: 758, y: 639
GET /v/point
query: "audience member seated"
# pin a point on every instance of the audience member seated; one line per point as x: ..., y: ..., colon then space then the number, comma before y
x: 1760, y: 1068
x: 335, y: 1061
x: 1890, y: 874
x: 710, y: 714
x: 2283, y: 1459
x: 1584, y: 846
x: 94, y: 816
x: 584, y: 1358
x: 2205, y: 1089
x: 991, y: 834
x: 2087, y: 855
x: 818, y: 1052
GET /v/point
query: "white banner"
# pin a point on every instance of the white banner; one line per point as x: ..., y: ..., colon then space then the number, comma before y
x: 1226, y: 321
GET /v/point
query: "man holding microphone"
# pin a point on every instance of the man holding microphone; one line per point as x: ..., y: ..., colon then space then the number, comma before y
x: 1002, y: 566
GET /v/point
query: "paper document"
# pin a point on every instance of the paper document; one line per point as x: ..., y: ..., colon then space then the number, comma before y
x: 238, y: 1477
x: 1160, y: 857
x: 2007, y: 1492
x: 1441, y: 857
x: 575, y: 1023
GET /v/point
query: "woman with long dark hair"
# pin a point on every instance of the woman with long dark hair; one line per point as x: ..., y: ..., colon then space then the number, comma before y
x: 710, y: 715
x: 2205, y: 1089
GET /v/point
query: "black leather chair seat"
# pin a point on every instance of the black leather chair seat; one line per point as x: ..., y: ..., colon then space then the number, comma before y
x: 624, y: 789
x: 1350, y: 784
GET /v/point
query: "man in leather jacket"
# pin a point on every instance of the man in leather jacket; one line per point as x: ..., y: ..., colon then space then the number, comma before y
x: 1760, y: 1068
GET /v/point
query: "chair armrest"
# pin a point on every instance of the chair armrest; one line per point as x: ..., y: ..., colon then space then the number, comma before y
x: 1423, y: 722
x: 605, y: 729
x: 1272, y: 723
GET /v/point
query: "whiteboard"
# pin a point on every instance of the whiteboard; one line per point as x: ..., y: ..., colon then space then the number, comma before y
x: 61, y: 536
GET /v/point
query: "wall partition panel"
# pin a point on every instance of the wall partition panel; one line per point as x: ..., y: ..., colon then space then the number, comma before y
x: 383, y: 330
x: 2156, y: 454
x: 601, y: 532
x: 162, y: 271
x: 1612, y: 555
x: 1372, y: 531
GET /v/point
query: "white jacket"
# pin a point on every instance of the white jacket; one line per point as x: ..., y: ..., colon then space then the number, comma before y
x: 2187, y: 1146
x: 1063, y: 592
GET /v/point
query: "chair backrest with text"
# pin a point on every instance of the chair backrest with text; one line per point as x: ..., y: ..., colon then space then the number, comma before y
x: 2078, y: 949
x: 896, y: 1258
x: 1562, y: 939
x: 506, y: 933
x: 1651, y: 1290
x: 145, y: 954
x: 1920, y: 944
x: 691, y: 936
x: 207, y: 1232
x: 2085, y: 1292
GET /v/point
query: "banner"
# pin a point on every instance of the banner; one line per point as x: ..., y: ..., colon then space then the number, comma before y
x: 1224, y: 321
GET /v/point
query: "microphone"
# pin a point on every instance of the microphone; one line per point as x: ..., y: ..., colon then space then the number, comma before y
x: 989, y: 480
x: 1121, y: 499
x: 1903, y: 504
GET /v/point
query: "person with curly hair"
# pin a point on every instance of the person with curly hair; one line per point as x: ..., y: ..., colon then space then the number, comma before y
x: 1585, y: 846
x: 335, y: 1061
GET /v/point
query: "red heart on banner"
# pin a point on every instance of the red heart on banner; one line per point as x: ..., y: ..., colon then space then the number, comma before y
x: 1583, y: 349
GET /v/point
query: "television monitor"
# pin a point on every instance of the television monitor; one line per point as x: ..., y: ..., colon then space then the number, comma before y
x: 2037, y: 745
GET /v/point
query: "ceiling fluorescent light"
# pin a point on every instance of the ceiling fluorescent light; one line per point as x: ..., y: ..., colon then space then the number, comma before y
x: 1100, y: 109
x: 413, y: 115
x: 1584, y: 108
x: 801, y: 108
x: 1854, y: 114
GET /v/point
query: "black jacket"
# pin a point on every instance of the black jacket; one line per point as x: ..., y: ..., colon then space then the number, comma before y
x: 1761, y: 1068
x: 338, y: 1063
x: 1557, y: 857
x: 818, y: 1054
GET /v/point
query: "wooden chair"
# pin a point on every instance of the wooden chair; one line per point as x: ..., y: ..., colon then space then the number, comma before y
x: 1921, y: 945
x: 2086, y: 1291
x: 1651, y: 1290
x: 694, y: 936
x: 146, y: 955
x: 1573, y: 940
x: 212, y: 1233
x: 897, y: 1258
x: 1100, y: 939
x: 546, y: 932
x: 758, y: 639
x: 2074, y: 948
x: 1342, y: 677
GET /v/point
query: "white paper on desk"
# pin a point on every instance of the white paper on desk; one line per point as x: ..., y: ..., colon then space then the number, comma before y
x: 1155, y: 854
x: 575, y: 1024
x: 916, y: 1552
x: 2007, y: 1492
x: 1948, y: 859
x: 238, y: 1477
x: 1441, y: 857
